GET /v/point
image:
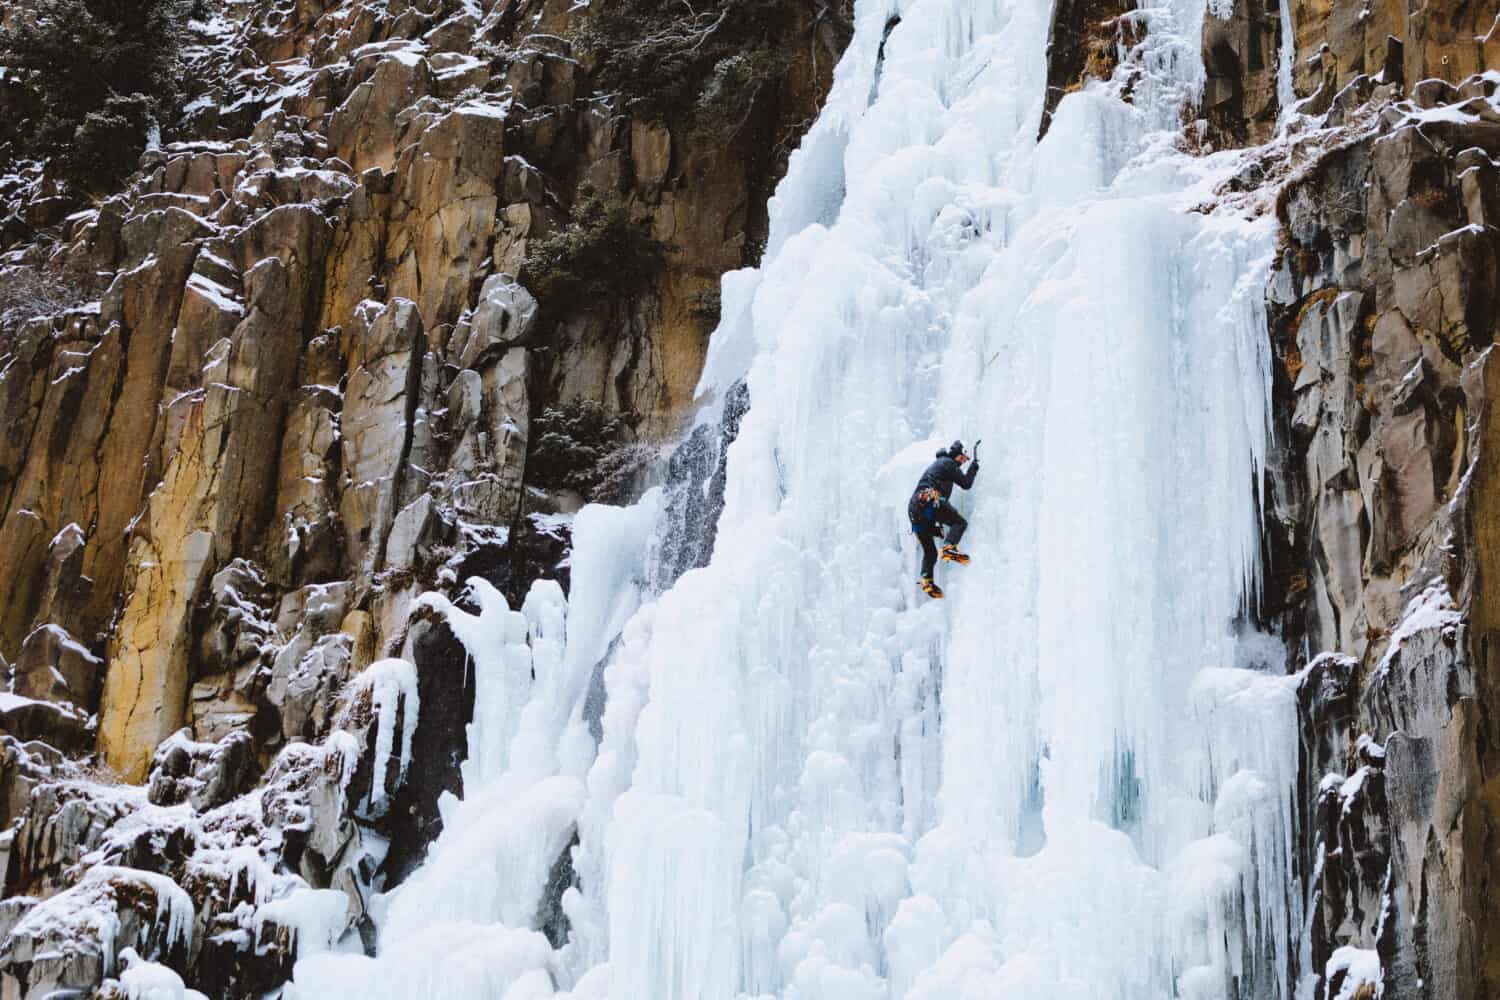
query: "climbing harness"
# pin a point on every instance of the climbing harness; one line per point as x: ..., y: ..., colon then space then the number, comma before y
x: 922, y: 511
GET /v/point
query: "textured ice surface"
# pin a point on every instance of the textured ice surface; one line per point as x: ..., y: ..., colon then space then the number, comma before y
x: 814, y: 783
x: 462, y: 925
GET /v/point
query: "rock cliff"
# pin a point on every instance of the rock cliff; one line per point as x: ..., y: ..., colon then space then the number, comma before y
x: 277, y: 386
x: 304, y: 368
x: 1382, y: 301
x: 1374, y: 138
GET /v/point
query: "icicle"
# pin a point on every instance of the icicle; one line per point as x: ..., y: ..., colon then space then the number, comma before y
x: 391, y: 686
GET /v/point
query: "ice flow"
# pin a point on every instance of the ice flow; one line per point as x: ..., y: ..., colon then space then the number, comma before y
x: 809, y: 781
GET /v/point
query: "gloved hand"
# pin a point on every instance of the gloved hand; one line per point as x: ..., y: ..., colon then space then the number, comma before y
x: 974, y: 467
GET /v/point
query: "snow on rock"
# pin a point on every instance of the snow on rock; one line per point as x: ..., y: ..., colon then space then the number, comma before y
x: 485, y: 884
x: 1431, y: 610
x: 143, y: 980
x: 54, y: 666
x: 1355, y: 974
x: 205, y: 774
x: 65, y: 820
x: 74, y: 939
x: 495, y: 866
x: 59, y: 723
x: 278, y: 871
x: 496, y: 640
x: 317, y: 918
x: 385, y: 692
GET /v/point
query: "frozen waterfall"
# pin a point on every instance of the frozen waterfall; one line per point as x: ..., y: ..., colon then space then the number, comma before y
x: 1072, y: 779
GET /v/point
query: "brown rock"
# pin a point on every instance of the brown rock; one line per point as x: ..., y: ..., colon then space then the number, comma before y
x: 492, y: 421
x: 145, y: 693
x: 364, y: 131
x: 1241, y: 60
x: 76, y: 444
x: 53, y: 666
x: 385, y: 349
x: 217, y: 488
x: 650, y: 156
x: 1337, y: 42
x: 438, y: 246
x: 58, y: 725
x: 503, y: 319
x: 519, y: 223
x: 306, y: 504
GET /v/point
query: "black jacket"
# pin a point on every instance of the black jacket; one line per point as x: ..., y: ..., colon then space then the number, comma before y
x: 942, y: 474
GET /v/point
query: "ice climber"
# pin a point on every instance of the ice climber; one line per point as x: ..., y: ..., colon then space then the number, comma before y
x: 929, y: 511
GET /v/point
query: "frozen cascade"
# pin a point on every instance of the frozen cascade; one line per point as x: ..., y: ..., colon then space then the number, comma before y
x: 1073, y: 778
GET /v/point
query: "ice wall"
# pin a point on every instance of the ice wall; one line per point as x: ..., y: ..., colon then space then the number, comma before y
x: 814, y: 783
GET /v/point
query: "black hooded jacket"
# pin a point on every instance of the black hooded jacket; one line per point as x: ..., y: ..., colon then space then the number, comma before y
x: 942, y: 474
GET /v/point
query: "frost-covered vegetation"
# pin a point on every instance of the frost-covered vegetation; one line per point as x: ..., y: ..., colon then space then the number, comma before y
x: 581, y: 447
x: 27, y: 291
x: 702, y: 65
x: 97, y: 78
x: 602, y: 252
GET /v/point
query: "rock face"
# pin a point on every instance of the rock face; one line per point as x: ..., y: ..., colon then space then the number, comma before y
x: 1382, y: 142
x: 303, y: 397
x: 314, y: 362
x: 1406, y: 43
x: 175, y: 870
x: 1083, y: 44
x: 1383, y: 303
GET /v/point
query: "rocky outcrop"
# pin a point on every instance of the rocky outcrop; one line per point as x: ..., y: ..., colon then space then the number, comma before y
x: 175, y: 870
x: 68, y: 943
x: 304, y: 396
x: 314, y: 360
x: 1242, y: 63
x: 204, y: 774
x: 1382, y: 301
x: 1402, y: 43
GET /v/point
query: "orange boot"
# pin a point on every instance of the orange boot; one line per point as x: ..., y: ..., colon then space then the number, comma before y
x: 950, y: 553
x: 931, y: 589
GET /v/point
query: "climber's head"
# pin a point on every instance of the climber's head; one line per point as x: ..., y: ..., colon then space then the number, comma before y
x: 956, y: 452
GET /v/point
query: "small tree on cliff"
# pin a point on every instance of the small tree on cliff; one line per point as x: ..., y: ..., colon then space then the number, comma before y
x: 703, y: 65
x: 602, y: 252
x: 96, y: 77
x: 577, y: 446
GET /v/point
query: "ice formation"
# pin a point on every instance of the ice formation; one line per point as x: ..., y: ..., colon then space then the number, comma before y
x: 144, y: 980
x: 90, y: 910
x: 1353, y: 968
x: 808, y: 781
x: 390, y: 686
